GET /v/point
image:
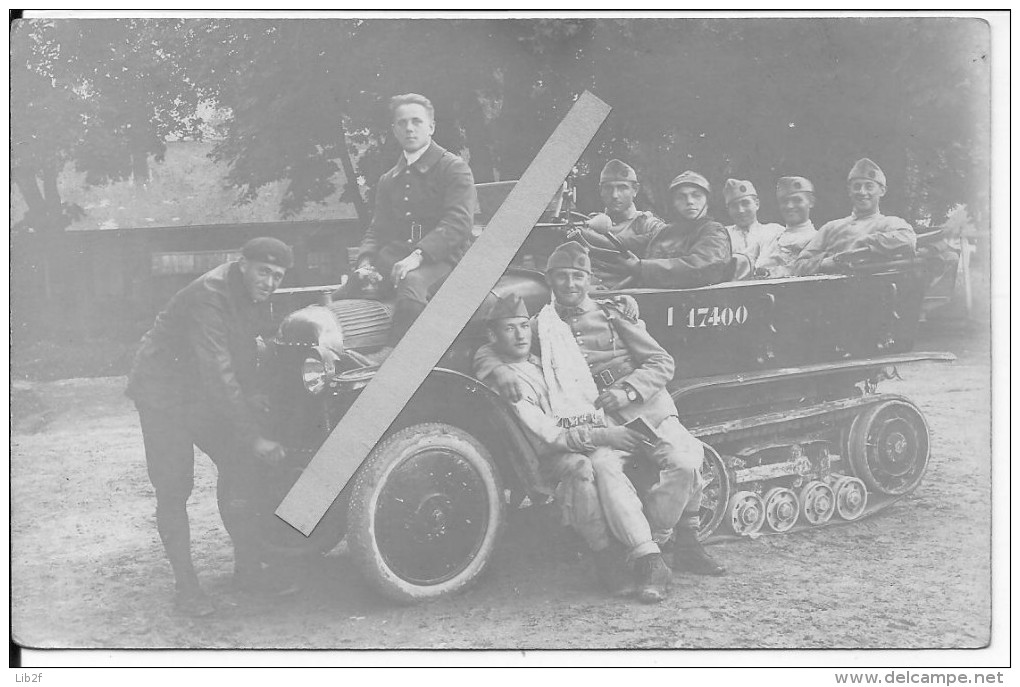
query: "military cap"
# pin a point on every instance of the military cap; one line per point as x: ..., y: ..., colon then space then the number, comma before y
x: 617, y: 170
x: 692, y: 178
x: 570, y: 255
x: 788, y: 186
x: 510, y: 305
x: 735, y: 189
x: 866, y: 169
x: 269, y: 250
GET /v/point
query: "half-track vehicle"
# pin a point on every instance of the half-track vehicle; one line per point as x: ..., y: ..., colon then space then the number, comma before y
x: 779, y: 378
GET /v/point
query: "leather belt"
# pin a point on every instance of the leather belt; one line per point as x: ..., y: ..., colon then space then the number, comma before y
x: 612, y: 374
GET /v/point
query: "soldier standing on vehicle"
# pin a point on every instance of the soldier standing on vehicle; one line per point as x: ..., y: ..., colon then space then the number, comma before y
x: 694, y: 250
x: 796, y: 197
x: 866, y: 227
x: 747, y: 234
x: 618, y: 186
x: 630, y: 371
x: 194, y: 384
x: 564, y: 452
x: 424, y: 211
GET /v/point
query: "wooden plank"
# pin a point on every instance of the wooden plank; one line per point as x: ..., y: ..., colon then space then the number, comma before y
x: 447, y: 313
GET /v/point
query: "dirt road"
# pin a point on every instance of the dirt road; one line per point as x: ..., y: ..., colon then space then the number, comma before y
x: 88, y: 570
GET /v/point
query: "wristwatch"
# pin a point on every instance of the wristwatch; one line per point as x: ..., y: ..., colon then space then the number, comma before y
x: 632, y: 395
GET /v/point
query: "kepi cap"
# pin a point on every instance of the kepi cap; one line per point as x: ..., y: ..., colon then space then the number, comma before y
x: 570, y: 255
x: 617, y: 170
x: 509, y: 305
x: 866, y: 169
x: 692, y: 178
x: 788, y: 186
x: 735, y: 189
x: 269, y: 250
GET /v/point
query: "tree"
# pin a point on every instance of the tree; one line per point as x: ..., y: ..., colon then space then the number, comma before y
x: 105, y: 94
x: 295, y: 86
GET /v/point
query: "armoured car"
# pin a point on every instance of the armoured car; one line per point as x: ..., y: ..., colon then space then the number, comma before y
x: 778, y: 378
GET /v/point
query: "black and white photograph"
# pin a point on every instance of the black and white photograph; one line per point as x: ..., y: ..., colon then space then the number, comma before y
x: 516, y: 333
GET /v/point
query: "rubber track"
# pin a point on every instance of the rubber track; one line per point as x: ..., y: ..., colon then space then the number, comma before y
x: 876, y: 502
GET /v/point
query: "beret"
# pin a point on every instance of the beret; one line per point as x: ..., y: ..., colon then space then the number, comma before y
x: 269, y: 250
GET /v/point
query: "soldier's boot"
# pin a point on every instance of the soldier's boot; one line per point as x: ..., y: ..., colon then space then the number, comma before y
x: 685, y: 553
x: 613, y: 573
x: 653, y: 578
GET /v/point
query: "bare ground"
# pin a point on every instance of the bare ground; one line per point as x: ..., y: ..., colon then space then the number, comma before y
x: 88, y: 570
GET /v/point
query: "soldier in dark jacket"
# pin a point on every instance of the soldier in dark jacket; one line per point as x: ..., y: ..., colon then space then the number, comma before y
x: 194, y: 384
x: 424, y: 211
x: 692, y: 251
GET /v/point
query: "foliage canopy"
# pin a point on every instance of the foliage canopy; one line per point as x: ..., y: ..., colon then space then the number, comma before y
x: 747, y: 98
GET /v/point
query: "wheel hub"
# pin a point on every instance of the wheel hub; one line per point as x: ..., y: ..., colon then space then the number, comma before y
x: 432, y: 515
x: 898, y: 449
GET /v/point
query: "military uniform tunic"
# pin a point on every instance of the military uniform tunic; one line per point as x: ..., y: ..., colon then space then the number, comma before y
x: 634, y: 231
x: 685, y: 254
x: 428, y: 205
x: 564, y: 453
x: 750, y: 241
x: 778, y: 254
x: 882, y: 234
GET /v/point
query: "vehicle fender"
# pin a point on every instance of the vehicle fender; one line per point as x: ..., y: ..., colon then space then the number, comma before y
x: 463, y: 401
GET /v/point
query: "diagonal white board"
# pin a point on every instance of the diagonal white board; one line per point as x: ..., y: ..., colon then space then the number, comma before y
x: 446, y: 315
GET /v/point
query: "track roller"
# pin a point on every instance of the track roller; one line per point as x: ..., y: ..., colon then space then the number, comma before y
x: 817, y: 502
x: 851, y: 497
x: 782, y: 507
x: 746, y: 512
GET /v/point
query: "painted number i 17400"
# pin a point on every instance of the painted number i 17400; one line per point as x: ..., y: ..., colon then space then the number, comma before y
x: 713, y: 316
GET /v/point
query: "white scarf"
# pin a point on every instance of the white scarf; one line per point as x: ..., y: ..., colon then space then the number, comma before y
x: 572, y: 391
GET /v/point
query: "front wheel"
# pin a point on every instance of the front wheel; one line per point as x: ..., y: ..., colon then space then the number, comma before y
x: 425, y: 512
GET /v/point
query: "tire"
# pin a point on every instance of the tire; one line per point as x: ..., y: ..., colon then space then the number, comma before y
x: 425, y: 512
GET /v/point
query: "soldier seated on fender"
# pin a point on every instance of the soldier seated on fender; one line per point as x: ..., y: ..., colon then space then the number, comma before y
x: 424, y: 209
x: 630, y: 370
x: 566, y: 450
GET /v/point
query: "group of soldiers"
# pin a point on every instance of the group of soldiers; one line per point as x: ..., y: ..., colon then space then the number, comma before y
x: 590, y: 388
x: 636, y: 248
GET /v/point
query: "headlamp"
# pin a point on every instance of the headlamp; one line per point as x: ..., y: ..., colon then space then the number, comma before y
x: 316, y: 371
